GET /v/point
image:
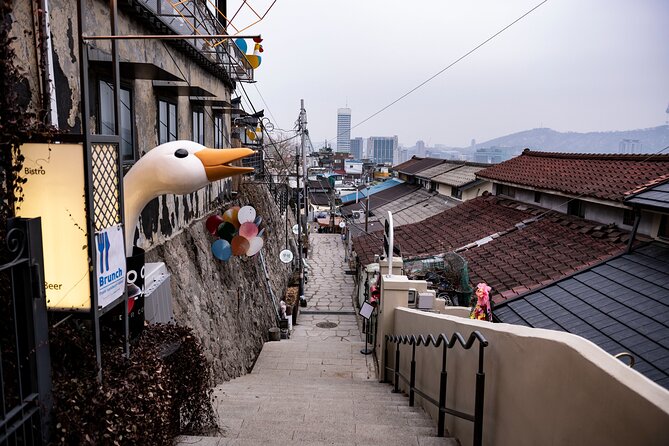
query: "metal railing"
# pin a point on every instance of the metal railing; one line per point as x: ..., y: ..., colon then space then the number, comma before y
x: 190, y: 17
x: 447, y: 343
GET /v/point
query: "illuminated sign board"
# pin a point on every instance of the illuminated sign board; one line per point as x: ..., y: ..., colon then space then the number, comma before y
x: 55, y: 192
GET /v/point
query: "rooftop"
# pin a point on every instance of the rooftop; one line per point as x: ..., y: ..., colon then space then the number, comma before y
x: 654, y: 197
x: 418, y: 165
x: 505, y: 243
x: 620, y: 305
x: 361, y: 194
x: 439, y: 169
x: 602, y: 176
x: 459, y: 176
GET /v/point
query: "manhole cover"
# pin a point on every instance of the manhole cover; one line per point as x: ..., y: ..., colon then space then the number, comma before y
x: 326, y: 324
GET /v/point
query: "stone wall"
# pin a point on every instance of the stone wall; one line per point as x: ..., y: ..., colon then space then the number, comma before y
x: 227, y: 304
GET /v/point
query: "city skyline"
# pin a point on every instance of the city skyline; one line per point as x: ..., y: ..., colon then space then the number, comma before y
x: 568, y: 66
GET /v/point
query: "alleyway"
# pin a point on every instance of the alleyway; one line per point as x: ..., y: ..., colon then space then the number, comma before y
x: 317, y: 388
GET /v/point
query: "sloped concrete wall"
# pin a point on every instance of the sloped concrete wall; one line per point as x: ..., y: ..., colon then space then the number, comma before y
x: 227, y: 303
x: 542, y: 387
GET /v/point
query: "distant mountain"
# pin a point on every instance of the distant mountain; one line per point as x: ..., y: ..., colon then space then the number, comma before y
x: 547, y: 140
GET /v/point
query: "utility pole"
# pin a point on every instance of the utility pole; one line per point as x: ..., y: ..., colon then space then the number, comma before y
x: 303, y: 137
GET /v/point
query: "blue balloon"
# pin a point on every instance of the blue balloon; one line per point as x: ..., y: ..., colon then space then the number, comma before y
x: 241, y: 44
x: 221, y: 249
x: 261, y: 233
x: 258, y: 221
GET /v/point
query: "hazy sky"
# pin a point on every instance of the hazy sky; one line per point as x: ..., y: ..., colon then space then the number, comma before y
x: 571, y: 65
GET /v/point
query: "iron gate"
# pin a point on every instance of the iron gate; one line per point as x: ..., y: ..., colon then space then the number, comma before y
x: 25, y: 367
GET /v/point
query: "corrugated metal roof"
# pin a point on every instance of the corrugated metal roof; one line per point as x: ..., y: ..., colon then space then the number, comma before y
x: 438, y: 170
x: 372, y: 190
x: 621, y: 305
x: 458, y: 177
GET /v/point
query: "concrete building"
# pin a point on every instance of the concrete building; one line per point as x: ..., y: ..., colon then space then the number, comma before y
x: 344, y: 130
x: 383, y: 149
x: 356, y: 145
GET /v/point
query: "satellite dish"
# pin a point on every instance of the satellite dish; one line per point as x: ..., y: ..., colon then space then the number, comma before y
x: 286, y: 256
x: 342, y: 224
x: 296, y: 229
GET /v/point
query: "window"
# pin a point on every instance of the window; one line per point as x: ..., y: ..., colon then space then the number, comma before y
x: 107, y: 121
x: 219, y: 137
x: 537, y: 197
x: 456, y: 192
x: 198, y: 126
x: 663, y: 230
x: 576, y: 208
x: 503, y: 189
x: 628, y: 217
x: 167, y: 121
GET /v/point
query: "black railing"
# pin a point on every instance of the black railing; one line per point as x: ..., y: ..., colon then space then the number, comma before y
x: 25, y: 366
x: 441, y: 339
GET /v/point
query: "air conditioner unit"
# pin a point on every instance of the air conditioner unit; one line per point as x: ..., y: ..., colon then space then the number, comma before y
x: 426, y: 300
x: 356, y: 215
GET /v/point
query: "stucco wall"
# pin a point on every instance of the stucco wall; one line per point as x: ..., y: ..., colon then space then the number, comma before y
x: 542, y: 387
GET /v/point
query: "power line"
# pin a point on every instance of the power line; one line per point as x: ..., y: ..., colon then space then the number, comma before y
x: 468, y: 53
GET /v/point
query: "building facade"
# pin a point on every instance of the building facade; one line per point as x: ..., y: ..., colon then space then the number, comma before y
x: 383, y: 149
x: 356, y: 145
x: 344, y: 130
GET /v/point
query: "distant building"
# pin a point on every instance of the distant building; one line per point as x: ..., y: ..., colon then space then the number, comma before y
x: 420, y: 148
x: 356, y: 148
x: 494, y: 154
x: 383, y: 149
x: 630, y: 146
x: 344, y: 130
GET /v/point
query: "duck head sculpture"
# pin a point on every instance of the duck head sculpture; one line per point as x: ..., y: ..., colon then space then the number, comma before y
x: 176, y: 167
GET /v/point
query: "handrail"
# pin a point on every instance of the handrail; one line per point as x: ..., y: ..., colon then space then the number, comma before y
x: 441, y: 340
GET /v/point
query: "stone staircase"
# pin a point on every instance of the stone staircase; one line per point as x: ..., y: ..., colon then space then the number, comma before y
x: 316, y: 393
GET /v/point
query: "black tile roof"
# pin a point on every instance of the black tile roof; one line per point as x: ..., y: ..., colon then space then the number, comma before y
x: 655, y: 197
x: 622, y: 305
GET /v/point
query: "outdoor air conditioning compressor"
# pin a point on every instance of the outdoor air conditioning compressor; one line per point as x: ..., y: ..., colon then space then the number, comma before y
x: 426, y: 300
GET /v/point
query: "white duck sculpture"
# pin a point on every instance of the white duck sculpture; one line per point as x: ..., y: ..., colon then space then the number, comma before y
x: 176, y: 167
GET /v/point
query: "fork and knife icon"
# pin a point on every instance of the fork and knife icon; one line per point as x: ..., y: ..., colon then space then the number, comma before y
x: 103, y: 249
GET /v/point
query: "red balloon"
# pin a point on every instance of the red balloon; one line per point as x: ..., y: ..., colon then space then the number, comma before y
x: 212, y: 223
x: 239, y: 245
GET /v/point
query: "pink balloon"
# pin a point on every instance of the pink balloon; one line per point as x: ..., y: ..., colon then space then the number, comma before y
x: 248, y: 230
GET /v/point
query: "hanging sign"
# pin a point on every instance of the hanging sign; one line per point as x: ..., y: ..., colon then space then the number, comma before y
x: 110, y: 265
x: 54, y: 191
x: 286, y: 256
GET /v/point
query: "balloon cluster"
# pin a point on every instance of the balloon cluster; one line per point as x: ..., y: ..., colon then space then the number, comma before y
x: 238, y: 231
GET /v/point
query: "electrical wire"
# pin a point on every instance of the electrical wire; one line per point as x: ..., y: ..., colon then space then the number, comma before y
x: 459, y: 59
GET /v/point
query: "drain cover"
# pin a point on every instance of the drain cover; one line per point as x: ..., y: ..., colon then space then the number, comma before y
x: 326, y: 324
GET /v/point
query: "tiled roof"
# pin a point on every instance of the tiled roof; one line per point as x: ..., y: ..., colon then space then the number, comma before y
x: 606, y: 177
x: 621, y: 305
x: 439, y: 169
x: 348, y: 198
x: 458, y: 177
x: 419, y: 166
x: 511, y: 256
x: 414, y: 159
x: 656, y: 197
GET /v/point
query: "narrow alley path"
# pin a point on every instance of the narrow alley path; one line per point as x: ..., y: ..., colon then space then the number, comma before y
x: 317, y: 388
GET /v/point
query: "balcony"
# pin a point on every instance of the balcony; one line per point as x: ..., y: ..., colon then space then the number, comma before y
x: 187, y: 17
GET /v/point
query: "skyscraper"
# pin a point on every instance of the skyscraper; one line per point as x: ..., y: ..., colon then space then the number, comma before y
x: 356, y: 148
x: 344, y: 130
x: 383, y: 149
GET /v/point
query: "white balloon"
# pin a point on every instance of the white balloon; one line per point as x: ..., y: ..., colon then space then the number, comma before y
x: 246, y: 214
x: 255, y: 245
